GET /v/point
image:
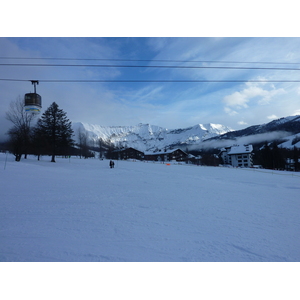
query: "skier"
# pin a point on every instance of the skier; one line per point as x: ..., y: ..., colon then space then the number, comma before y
x: 111, y: 164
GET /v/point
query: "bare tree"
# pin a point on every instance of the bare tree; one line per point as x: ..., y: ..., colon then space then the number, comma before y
x: 83, y: 143
x: 101, y: 149
x: 20, y: 132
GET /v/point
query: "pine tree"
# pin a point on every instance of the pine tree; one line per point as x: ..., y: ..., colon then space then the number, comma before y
x: 55, y: 130
x: 267, y: 157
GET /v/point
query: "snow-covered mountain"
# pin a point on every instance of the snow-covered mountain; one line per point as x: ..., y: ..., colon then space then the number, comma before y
x: 286, y: 131
x: 146, y: 137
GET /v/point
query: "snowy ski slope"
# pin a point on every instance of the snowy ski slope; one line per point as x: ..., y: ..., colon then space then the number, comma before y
x: 80, y: 210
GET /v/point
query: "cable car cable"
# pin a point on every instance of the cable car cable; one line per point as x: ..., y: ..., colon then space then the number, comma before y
x: 136, y: 66
x: 154, y: 81
x: 155, y: 60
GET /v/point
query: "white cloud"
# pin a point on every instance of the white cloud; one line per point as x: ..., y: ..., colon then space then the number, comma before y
x: 268, y: 95
x: 241, y: 99
x: 147, y: 93
x: 237, y: 100
x: 249, y: 139
x: 242, y: 123
x: 230, y: 111
x: 297, y: 112
x: 272, y: 117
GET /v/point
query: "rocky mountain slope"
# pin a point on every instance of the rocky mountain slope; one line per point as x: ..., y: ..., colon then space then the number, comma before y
x: 146, y: 137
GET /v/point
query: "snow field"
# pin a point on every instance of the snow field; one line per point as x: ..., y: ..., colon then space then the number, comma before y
x: 80, y: 210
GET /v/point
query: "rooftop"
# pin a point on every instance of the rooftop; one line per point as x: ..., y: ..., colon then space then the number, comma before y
x: 240, y: 149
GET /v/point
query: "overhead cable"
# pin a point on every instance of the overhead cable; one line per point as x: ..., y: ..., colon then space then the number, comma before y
x: 150, y: 60
x: 154, y: 80
x: 150, y: 66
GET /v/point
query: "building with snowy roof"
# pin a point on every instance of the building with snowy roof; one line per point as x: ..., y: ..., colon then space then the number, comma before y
x: 237, y: 156
x: 127, y: 153
x: 169, y: 155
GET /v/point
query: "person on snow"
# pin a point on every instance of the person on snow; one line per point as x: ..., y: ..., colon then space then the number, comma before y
x: 111, y: 164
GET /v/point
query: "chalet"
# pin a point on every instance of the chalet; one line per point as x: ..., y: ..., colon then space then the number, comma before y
x: 192, y: 159
x: 237, y: 155
x: 291, y: 164
x: 175, y: 154
x: 127, y: 153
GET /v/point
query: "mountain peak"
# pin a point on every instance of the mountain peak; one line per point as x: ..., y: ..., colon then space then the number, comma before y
x: 146, y: 137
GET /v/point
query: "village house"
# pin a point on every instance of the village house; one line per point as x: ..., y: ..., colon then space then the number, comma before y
x: 192, y: 159
x: 170, y: 155
x: 237, y: 156
x: 291, y: 164
x: 127, y: 153
x: 175, y: 154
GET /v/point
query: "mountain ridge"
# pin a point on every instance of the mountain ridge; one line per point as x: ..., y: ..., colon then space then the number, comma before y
x: 146, y: 137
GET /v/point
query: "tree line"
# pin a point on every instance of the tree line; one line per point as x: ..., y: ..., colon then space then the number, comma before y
x: 270, y: 156
x: 266, y: 155
x: 51, y: 135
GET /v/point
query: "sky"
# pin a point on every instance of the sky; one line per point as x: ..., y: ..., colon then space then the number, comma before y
x: 167, y: 104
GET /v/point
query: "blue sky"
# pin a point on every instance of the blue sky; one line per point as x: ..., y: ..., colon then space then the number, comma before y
x: 171, y: 105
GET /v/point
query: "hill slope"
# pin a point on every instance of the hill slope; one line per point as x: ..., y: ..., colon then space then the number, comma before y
x: 286, y: 130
